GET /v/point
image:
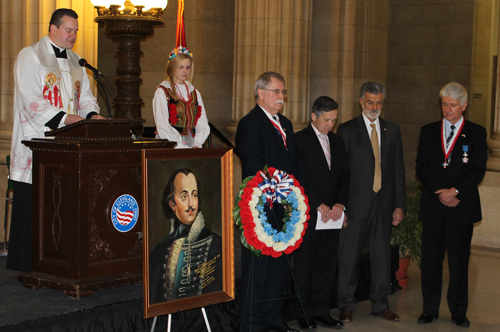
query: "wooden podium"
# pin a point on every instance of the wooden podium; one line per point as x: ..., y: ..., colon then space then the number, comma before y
x: 77, y: 177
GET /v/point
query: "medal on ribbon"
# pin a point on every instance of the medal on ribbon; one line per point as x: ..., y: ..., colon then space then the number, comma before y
x: 465, y: 148
x: 447, y: 151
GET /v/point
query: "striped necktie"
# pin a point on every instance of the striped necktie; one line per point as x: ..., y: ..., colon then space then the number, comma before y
x: 450, y: 135
x: 275, y: 124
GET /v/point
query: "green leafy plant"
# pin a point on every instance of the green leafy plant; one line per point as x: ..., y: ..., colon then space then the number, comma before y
x: 408, y: 235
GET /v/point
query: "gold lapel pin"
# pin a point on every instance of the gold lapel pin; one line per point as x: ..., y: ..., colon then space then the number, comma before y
x: 463, y: 135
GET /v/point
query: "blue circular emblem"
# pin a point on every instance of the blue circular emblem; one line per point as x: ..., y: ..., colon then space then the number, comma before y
x: 124, y: 213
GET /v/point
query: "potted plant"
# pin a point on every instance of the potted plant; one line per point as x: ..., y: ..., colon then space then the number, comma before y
x: 408, y: 235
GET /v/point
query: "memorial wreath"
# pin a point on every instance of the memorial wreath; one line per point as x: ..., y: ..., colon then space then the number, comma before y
x: 268, y: 187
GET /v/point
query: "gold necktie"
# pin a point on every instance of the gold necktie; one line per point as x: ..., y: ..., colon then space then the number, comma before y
x: 377, y: 179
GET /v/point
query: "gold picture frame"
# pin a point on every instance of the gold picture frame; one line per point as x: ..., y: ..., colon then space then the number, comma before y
x: 213, y: 170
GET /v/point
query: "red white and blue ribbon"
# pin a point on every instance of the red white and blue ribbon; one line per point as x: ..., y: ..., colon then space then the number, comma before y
x: 276, y: 188
x: 278, y: 128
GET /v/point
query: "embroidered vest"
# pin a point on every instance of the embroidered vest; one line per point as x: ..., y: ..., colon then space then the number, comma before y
x: 183, y: 115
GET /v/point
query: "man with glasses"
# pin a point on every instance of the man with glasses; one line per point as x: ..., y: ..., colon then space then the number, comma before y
x: 265, y: 138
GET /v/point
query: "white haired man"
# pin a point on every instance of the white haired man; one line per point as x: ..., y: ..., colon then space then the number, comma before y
x: 451, y: 162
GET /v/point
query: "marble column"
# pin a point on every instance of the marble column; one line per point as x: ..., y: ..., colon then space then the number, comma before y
x: 494, y: 140
x: 272, y: 35
x: 24, y: 23
x: 349, y: 47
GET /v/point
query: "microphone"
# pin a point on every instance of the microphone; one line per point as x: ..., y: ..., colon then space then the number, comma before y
x: 82, y: 62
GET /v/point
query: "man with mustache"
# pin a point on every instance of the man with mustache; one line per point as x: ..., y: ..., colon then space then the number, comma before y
x: 265, y: 138
x: 377, y: 199
x: 189, y: 261
x: 51, y: 90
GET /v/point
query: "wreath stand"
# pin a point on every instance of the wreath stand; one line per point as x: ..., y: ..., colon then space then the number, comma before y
x: 285, y: 296
x: 170, y: 321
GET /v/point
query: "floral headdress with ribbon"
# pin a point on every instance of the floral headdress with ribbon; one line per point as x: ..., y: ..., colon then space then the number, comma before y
x: 180, y: 40
x: 179, y: 50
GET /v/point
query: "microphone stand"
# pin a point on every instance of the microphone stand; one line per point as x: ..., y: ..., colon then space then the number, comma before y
x: 108, y: 104
x: 134, y: 130
x: 135, y: 134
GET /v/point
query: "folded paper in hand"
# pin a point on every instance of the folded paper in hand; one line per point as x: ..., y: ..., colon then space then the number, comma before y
x: 329, y: 224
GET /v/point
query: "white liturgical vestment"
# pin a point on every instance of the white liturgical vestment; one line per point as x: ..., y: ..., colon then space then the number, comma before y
x: 41, y: 92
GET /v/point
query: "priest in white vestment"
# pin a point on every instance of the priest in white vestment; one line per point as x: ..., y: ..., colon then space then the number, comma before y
x: 51, y: 90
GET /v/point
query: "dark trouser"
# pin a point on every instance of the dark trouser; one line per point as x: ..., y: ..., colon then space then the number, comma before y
x: 269, y: 280
x: 352, y: 241
x: 19, y: 256
x: 439, y: 236
x: 314, y: 271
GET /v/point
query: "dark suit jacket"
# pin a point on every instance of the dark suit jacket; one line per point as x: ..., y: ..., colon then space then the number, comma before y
x: 362, y: 167
x: 322, y: 184
x: 259, y: 144
x: 465, y: 177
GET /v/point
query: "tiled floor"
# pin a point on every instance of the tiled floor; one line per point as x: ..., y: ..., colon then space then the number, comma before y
x: 484, y: 302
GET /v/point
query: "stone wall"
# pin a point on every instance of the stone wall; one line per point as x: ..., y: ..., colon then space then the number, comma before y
x: 432, y: 43
x: 349, y: 47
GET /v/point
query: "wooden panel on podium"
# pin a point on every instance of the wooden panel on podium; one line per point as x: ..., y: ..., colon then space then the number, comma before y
x: 77, y: 177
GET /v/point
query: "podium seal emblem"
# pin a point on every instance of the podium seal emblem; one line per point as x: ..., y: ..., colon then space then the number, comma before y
x: 124, y: 213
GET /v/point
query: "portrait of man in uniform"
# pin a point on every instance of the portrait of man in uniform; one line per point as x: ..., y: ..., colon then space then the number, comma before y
x: 188, y: 262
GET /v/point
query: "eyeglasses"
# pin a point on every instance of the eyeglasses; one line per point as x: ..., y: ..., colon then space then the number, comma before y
x: 277, y: 91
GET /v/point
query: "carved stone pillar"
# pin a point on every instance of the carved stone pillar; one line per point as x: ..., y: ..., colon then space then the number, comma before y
x: 24, y: 23
x: 272, y: 35
x: 128, y: 28
x: 128, y: 34
x: 494, y: 141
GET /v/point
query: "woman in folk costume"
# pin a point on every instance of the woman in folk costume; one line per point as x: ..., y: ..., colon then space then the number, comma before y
x: 178, y: 109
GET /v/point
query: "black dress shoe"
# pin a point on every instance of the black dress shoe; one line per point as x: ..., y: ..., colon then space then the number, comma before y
x: 282, y: 328
x: 307, y: 324
x: 461, y: 321
x: 328, y: 321
x: 426, y: 318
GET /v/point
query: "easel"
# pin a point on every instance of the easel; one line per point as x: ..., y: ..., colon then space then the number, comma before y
x: 8, y: 201
x: 285, y: 296
x: 170, y: 321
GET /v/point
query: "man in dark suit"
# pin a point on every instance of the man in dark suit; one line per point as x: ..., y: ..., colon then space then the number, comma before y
x: 451, y: 162
x: 377, y: 197
x: 265, y: 137
x: 327, y: 187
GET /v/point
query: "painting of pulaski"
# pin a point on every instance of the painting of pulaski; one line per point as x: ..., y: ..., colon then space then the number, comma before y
x: 189, y: 261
